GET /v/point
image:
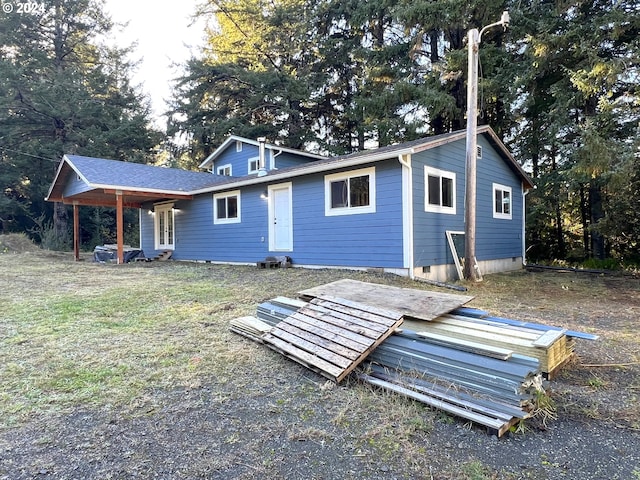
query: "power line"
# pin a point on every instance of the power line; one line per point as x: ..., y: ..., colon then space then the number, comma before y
x: 30, y: 155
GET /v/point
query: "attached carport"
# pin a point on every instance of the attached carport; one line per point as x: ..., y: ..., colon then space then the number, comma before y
x: 98, y: 182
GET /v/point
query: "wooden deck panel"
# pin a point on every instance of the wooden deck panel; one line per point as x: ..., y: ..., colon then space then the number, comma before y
x: 422, y: 304
x: 332, y: 337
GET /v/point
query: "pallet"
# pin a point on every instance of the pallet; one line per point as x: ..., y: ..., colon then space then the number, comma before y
x: 332, y: 335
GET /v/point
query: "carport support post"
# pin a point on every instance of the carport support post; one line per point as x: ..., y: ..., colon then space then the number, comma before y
x: 76, y: 231
x: 119, y: 226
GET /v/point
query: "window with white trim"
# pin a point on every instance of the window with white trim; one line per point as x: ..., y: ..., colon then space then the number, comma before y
x: 502, y: 201
x: 226, y: 207
x: 224, y: 170
x: 238, y: 146
x: 439, y: 191
x: 254, y: 165
x: 349, y: 193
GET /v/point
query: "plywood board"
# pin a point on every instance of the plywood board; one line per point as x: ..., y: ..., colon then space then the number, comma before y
x: 414, y: 303
x: 332, y: 335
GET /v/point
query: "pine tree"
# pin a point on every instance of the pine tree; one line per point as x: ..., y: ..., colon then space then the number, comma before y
x: 61, y: 92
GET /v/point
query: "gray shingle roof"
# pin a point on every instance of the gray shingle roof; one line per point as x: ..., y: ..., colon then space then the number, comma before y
x: 138, y: 176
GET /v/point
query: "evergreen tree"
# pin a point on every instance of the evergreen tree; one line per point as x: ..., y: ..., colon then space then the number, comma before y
x: 62, y: 91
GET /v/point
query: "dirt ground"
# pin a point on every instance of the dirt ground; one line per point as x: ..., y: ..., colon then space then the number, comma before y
x: 271, y: 418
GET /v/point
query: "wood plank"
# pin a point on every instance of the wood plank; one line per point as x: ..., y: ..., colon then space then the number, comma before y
x: 548, y: 338
x: 318, y: 340
x: 346, y: 321
x: 312, y: 348
x: 422, y: 304
x: 365, y: 311
x: 530, y: 335
x: 299, y: 354
x: 324, y: 329
x: 251, y: 324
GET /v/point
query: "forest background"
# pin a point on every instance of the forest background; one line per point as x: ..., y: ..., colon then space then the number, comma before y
x: 561, y: 87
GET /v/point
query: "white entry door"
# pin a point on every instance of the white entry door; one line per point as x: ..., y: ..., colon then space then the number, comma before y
x: 280, y: 218
x: 164, y: 227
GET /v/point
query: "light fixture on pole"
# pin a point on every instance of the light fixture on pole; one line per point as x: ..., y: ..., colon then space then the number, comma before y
x: 471, y: 271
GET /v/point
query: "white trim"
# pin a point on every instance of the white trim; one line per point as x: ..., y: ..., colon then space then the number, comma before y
x: 407, y: 212
x: 271, y: 215
x: 371, y: 208
x: 436, y: 172
x: 224, y: 167
x: 222, y: 221
x: 238, y: 145
x: 502, y: 188
x: 454, y: 253
x: 249, y: 169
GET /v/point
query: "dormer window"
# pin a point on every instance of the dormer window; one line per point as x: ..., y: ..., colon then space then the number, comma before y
x: 224, y: 170
x: 254, y: 165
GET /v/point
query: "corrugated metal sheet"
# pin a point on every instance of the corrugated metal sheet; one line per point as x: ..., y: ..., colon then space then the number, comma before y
x: 495, y: 392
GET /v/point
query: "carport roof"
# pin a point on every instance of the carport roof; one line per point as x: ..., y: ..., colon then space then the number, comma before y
x: 137, y: 181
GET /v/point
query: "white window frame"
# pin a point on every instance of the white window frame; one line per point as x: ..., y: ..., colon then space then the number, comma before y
x: 238, y: 146
x: 502, y: 188
x: 223, y: 168
x: 436, y: 172
x: 249, y: 161
x: 225, y: 195
x: 328, y: 179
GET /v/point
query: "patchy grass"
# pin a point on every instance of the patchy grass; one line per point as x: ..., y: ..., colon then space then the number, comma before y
x: 152, y: 341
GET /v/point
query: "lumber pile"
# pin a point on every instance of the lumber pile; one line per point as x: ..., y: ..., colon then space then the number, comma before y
x: 494, y: 392
x: 485, y: 369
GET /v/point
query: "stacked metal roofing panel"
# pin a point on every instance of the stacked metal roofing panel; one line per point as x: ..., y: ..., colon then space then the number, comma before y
x: 492, y: 385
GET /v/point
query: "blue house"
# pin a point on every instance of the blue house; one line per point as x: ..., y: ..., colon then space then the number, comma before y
x: 398, y: 208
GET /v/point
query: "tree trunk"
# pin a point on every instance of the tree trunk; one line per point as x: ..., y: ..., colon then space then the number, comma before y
x: 597, y: 240
x: 584, y: 209
x: 559, y: 230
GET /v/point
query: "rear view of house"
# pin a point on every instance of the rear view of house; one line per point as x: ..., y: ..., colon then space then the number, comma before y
x: 398, y: 208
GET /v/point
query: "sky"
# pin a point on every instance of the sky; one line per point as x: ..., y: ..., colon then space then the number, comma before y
x: 163, y: 36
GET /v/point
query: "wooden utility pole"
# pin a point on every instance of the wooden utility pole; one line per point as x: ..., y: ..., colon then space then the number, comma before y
x: 471, y: 272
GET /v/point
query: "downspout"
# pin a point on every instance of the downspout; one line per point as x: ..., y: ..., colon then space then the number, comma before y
x: 273, y: 159
x: 407, y: 212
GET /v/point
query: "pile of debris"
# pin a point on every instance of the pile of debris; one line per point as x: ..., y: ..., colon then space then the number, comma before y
x: 421, y: 344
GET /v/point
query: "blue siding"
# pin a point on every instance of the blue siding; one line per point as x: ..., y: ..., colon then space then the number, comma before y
x: 239, y: 161
x: 360, y: 240
x: 287, y: 159
x: 369, y: 239
x: 363, y: 240
x: 495, y: 238
x: 430, y: 245
x: 74, y: 185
